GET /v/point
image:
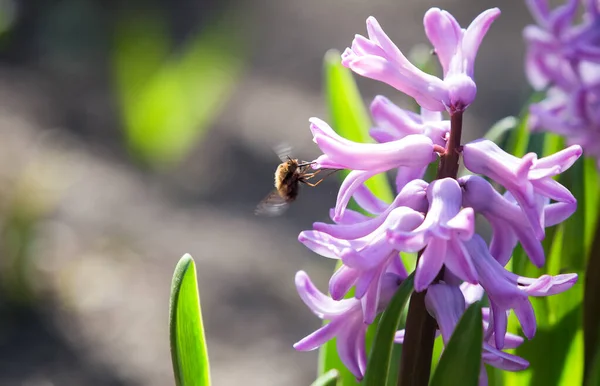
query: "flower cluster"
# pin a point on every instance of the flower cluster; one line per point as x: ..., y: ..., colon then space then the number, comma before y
x: 436, y: 219
x: 564, y: 59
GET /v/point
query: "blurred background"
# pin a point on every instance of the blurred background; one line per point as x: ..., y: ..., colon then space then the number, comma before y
x: 132, y: 132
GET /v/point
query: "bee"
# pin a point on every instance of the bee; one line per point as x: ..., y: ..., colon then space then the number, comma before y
x: 288, y: 176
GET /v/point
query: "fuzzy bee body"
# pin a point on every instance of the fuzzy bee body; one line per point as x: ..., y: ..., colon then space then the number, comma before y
x: 288, y: 176
x: 287, y: 180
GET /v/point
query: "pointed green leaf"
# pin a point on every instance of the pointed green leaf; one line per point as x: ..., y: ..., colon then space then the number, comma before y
x: 379, y: 367
x: 348, y: 114
x: 330, y: 378
x: 186, y: 332
x: 461, y: 359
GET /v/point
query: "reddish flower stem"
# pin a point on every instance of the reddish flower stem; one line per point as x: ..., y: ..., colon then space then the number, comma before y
x: 417, y: 349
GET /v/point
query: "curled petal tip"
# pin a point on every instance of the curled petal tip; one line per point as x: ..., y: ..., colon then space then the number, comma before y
x: 347, y: 57
x: 493, y: 12
x: 432, y: 10
x: 301, y: 279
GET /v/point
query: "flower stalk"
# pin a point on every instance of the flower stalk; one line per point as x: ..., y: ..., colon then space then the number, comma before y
x: 420, y: 326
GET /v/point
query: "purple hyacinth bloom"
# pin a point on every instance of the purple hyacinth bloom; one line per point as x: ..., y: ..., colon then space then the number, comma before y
x: 437, y: 219
x: 446, y: 304
x: 573, y: 114
x: 565, y: 58
x: 346, y: 321
x: 393, y: 123
x: 442, y: 234
x: 341, y: 153
x: 556, y: 48
x: 508, y: 221
x: 365, y: 252
x: 379, y: 58
x: 507, y: 290
x: 525, y: 177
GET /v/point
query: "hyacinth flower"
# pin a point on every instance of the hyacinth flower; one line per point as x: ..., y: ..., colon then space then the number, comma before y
x: 379, y: 58
x: 508, y: 220
x: 507, y: 291
x: 346, y: 321
x: 440, y: 235
x: 435, y: 219
x: 556, y: 47
x: 393, y: 123
x: 523, y: 178
x: 564, y: 59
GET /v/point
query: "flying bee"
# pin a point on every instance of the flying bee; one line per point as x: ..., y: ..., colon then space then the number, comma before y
x: 288, y: 176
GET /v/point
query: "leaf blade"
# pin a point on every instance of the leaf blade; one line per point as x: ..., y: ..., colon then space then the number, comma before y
x: 379, y: 364
x: 462, y: 357
x: 329, y: 378
x: 186, y: 331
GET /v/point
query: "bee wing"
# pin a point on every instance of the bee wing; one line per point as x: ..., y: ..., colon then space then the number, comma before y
x: 273, y: 205
x: 283, y: 151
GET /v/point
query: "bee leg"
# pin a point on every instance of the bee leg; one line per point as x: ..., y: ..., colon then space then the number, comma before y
x: 314, y: 184
x: 305, y: 180
x: 308, y: 176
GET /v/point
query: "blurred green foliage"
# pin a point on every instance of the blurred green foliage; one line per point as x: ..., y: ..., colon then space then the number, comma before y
x: 169, y: 98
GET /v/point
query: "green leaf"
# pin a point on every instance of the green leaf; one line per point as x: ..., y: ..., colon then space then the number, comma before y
x: 500, y: 129
x: 594, y: 375
x: 518, y: 140
x: 348, y: 115
x: 379, y: 367
x: 548, y: 352
x: 573, y: 364
x: 186, y: 332
x: 169, y: 100
x: 573, y: 253
x: 461, y: 359
x: 330, y: 378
